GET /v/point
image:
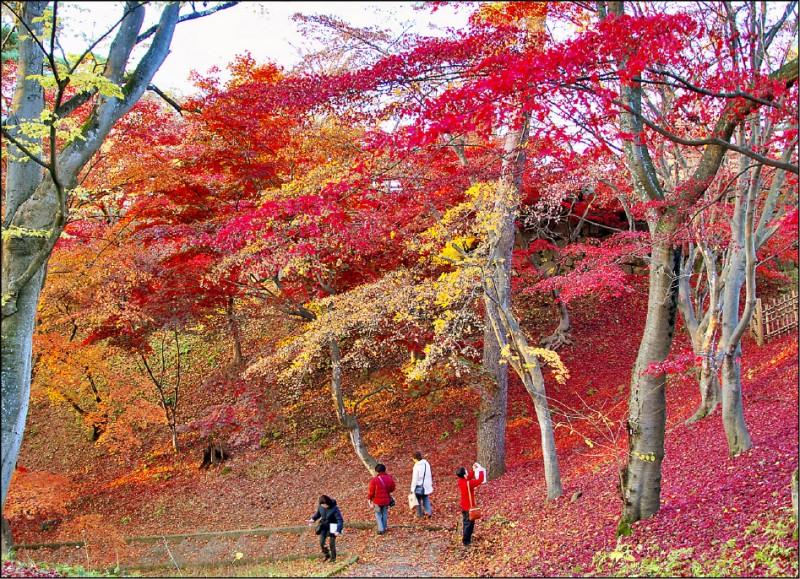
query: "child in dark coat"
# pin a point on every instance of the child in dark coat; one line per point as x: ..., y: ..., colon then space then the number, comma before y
x: 330, y: 524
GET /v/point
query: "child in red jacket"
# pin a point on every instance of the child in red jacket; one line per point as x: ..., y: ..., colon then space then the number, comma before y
x: 467, y: 484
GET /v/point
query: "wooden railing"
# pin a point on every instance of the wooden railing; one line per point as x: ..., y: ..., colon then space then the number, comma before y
x: 775, y: 319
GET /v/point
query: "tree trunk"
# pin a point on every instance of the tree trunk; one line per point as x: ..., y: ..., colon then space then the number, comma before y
x: 173, y: 430
x: 497, y: 298
x: 703, y: 332
x: 732, y: 407
x: 20, y: 185
x: 527, y: 367
x: 508, y: 333
x: 346, y: 419
x: 17, y: 341
x: 494, y: 395
x: 560, y: 336
x: 492, y: 409
x: 7, y: 540
x: 534, y: 384
x: 709, y: 393
x: 233, y: 327
x: 641, y: 481
x: 794, y: 495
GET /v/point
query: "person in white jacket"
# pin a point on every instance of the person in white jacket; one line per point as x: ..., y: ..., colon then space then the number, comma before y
x: 422, y: 484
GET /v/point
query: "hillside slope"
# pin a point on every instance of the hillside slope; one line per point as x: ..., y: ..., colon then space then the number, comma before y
x: 709, y: 499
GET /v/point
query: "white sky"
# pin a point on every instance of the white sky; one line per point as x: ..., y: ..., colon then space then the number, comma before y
x: 265, y: 29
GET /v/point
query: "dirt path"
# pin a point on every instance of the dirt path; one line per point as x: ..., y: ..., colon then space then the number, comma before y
x: 402, y: 552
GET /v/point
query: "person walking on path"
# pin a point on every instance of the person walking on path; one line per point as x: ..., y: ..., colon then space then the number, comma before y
x: 330, y: 524
x: 422, y: 485
x: 379, y: 496
x: 467, y: 483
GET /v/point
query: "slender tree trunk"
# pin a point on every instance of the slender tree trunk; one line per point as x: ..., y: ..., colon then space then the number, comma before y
x: 527, y: 367
x: 709, y: 377
x: 233, y: 327
x: 732, y: 405
x: 346, y: 419
x: 174, y: 435
x: 641, y: 481
x: 794, y: 497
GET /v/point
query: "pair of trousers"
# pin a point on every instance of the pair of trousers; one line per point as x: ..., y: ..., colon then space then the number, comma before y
x: 332, y: 552
x: 382, y: 517
x: 423, y: 501
x: 467, y: 528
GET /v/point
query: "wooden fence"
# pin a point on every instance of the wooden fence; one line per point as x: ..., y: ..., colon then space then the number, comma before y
x: 779, y: 317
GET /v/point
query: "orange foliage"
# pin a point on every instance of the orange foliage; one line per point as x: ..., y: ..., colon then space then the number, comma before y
x: 39, y: 493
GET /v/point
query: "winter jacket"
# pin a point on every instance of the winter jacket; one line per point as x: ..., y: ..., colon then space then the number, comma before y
x: 328, y: 516
x: 421, y: 475
x: 379, y: 489
x: 469, y: 483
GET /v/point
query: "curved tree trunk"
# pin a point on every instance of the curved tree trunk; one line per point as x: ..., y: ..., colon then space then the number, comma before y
x: 346, y: 419
x: 641, y: 481
x: 709, y: 393
x: 561, y: 335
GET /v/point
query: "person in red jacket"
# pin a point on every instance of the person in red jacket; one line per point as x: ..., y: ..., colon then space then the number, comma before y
x: 467, y: 483
x: 379, y: 496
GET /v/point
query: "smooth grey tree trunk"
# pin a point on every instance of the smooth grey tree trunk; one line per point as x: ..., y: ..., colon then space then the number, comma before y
x: 732, y: 405
x: 641, y: 481
x: 22, y: 180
